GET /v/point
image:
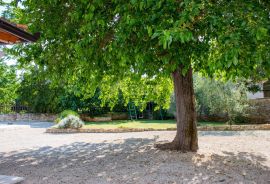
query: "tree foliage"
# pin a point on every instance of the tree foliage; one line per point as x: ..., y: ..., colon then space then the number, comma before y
x: 8, y: 84
x: 218, y: 98
x: 36, y: 91
x: 133, y: 46
x: 221, y: 98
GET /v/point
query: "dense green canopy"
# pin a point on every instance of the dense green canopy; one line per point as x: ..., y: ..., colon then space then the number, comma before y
x: 8, y: 84
x: 135, y: 45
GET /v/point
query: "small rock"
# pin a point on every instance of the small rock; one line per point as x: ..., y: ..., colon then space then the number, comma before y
x: 221, y: 180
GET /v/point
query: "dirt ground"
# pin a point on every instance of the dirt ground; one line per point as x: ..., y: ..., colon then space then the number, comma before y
x: 223, y: 157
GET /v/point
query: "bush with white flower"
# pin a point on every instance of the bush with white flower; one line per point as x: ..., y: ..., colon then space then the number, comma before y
x: 70, y: 121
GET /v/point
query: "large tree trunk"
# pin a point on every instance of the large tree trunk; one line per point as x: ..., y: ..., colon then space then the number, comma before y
x: 186, y: 136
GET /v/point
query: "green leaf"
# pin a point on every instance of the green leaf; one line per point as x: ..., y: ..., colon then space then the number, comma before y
x: 155, y: 35
x: 229, y: 63
x: 149, y: 30
x: 261, y: 33
x: 235, y: 60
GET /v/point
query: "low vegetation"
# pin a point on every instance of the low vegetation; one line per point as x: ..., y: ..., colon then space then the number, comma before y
x: 220, y: 99
x: 70, y: 121
x: 65, y: 114
x: 143, y: 124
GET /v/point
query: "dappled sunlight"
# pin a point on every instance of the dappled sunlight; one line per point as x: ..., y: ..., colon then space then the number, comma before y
x: 131, y: 160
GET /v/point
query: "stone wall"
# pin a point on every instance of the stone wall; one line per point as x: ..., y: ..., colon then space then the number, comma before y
x: 108, y: 117
x: 27, y: 117
x: 259, y: 111
x: 87, y: 118
x: 120, y: 116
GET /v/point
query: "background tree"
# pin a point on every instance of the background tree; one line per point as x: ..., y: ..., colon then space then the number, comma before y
x: 8, y: 84
x: 41, y: 95
x: 37, y: 92
x: 101, y: 42
x: 219, y: 98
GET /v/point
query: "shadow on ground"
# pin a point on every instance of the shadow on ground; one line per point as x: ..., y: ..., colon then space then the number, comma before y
x: 131, y: 161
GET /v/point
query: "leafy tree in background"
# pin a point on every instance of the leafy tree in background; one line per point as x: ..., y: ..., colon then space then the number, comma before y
x: 8, y: 84
x: 139, y: 46
x: 217, y: 97
x: 8, y: 10
x: 92, y: 106
x: 36, y: 91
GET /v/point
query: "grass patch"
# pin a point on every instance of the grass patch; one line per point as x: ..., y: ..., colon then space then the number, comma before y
x: 144, y: 124
x: 210, y: 123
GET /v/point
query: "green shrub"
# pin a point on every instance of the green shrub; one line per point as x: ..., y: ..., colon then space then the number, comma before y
x: 66, y: 113
x: 70, y: 121
x: 219, y: 98
x: 57, y: 120
x: 238, y: 118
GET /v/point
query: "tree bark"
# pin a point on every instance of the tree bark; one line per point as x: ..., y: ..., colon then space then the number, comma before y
x: 186, y: 136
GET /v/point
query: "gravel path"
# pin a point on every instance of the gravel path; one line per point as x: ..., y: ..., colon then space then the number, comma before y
x: 224, y: 157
